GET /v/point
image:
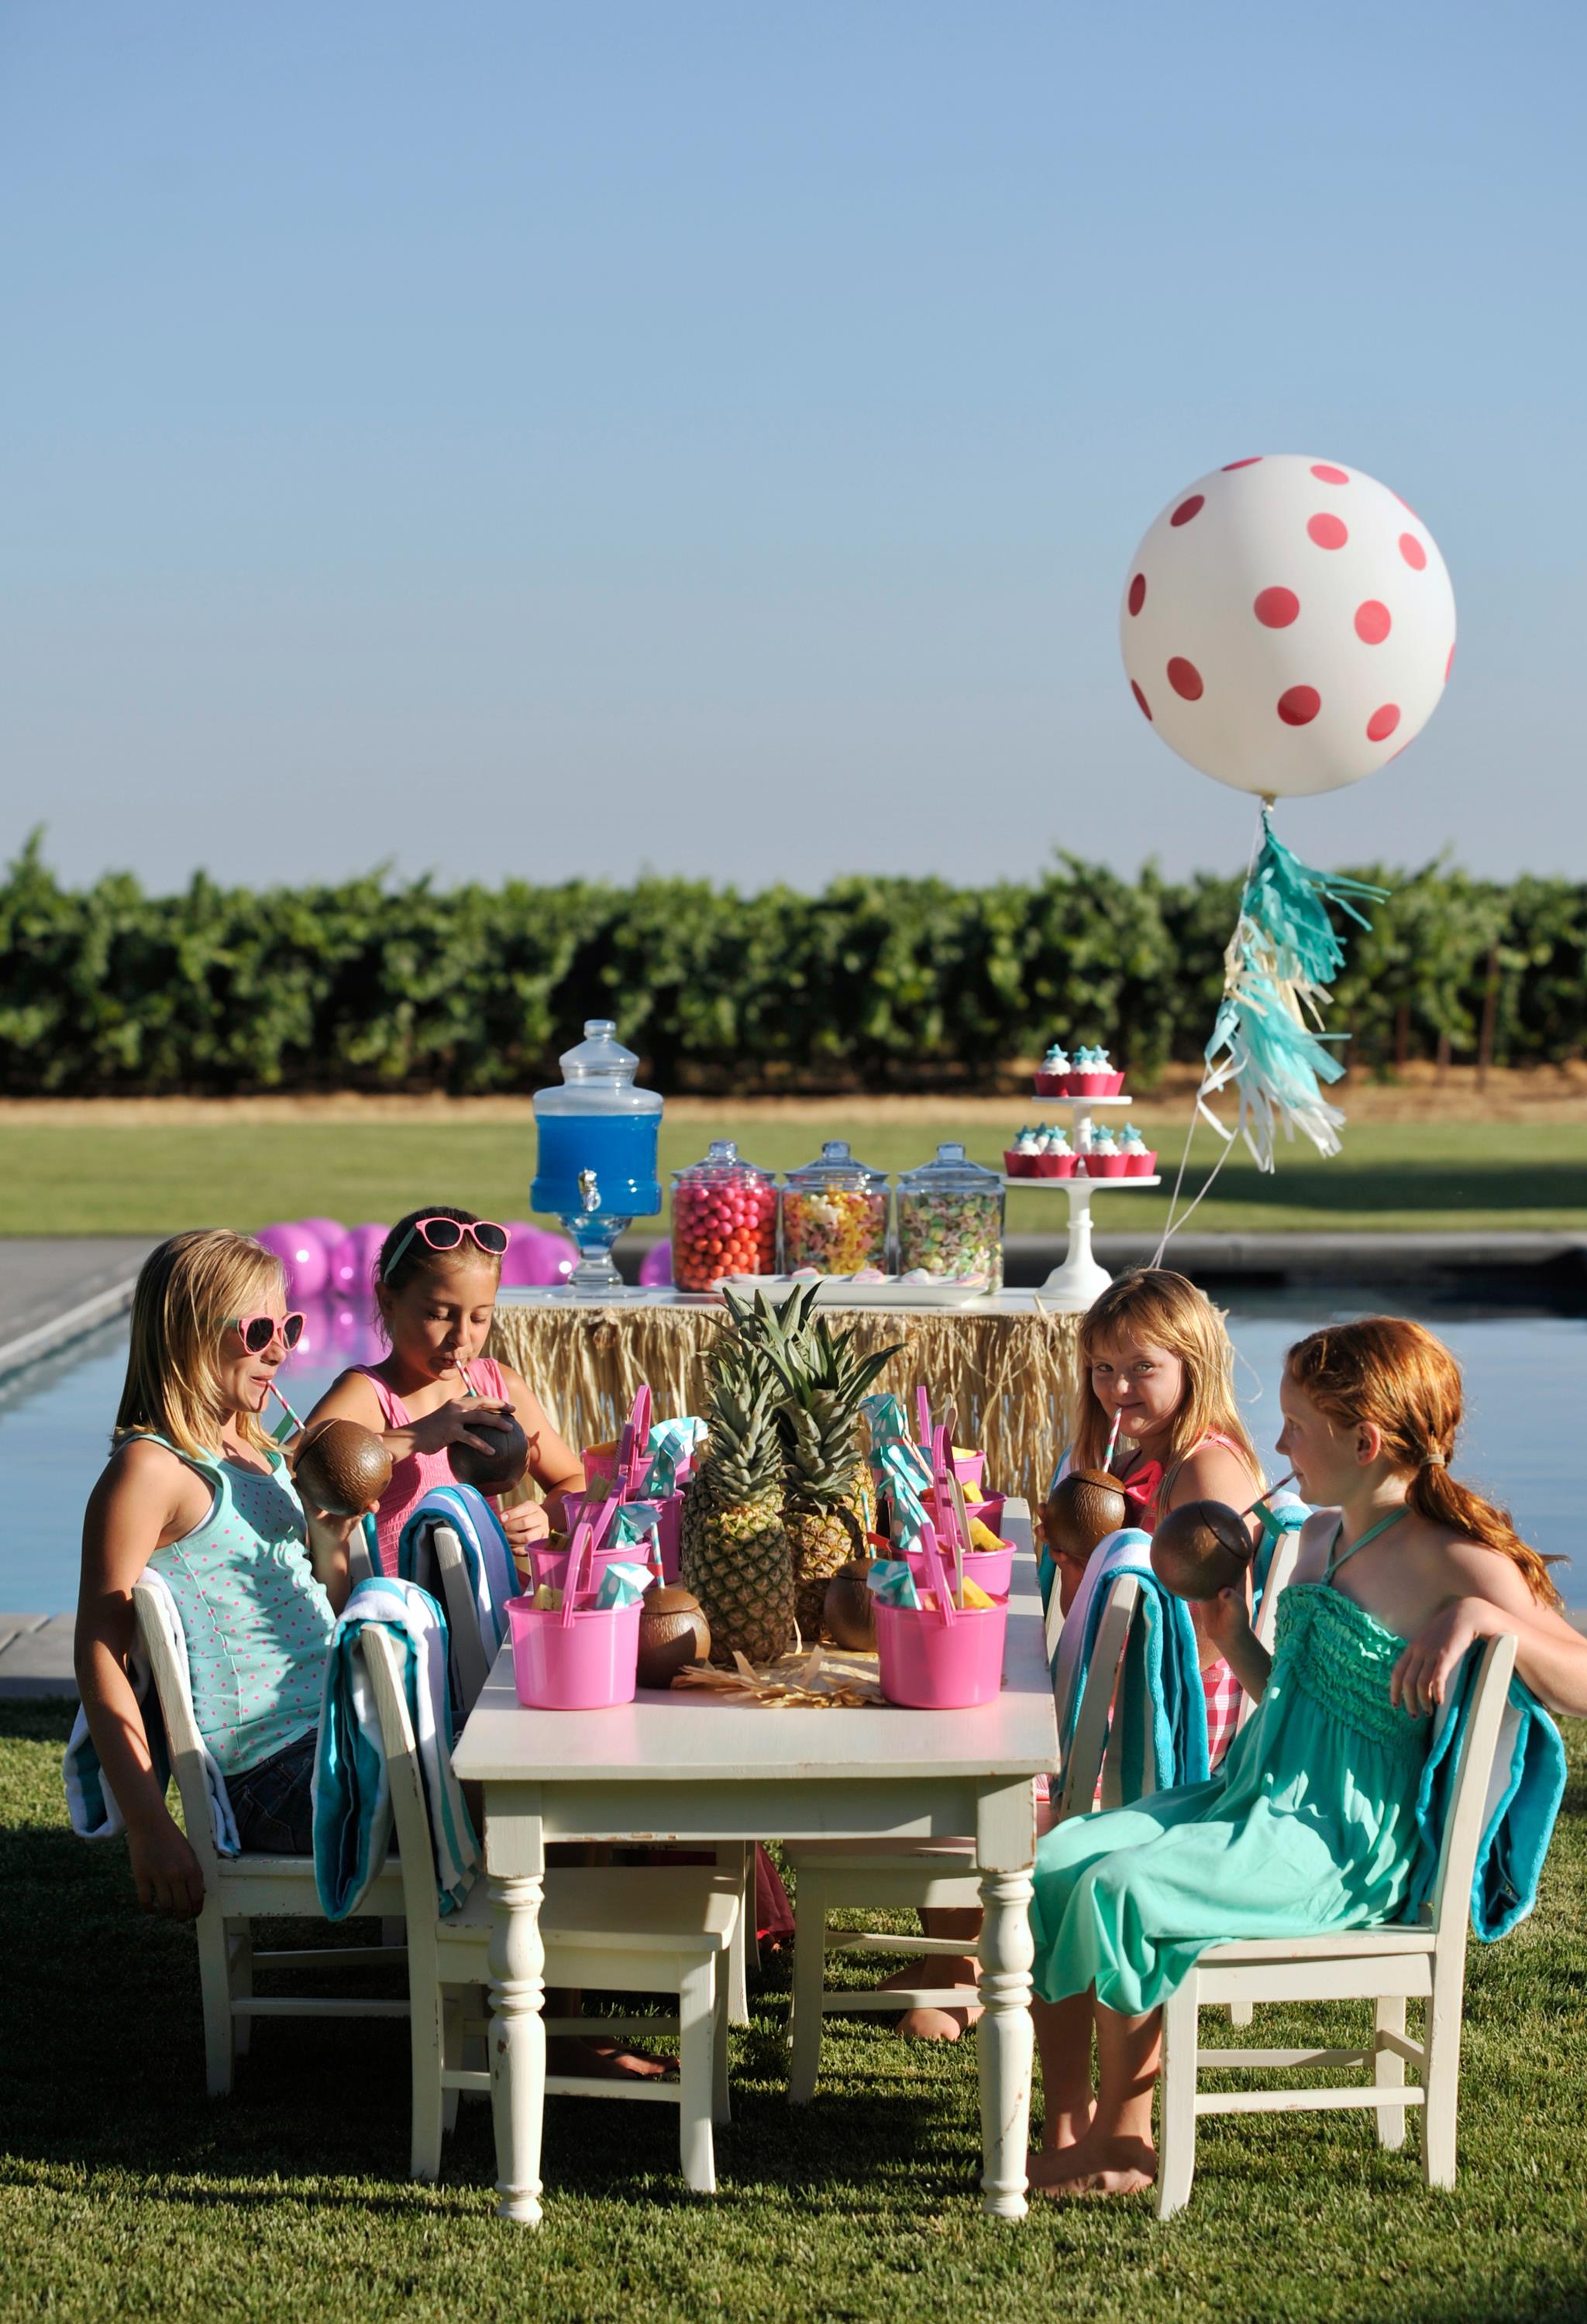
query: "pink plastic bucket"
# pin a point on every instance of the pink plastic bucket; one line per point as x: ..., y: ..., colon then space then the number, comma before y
x: 993, y: 1568
x: 970, y: 1468
x: 990, y: 1511
x: 586, y: 1665
x: 552, y: 1564
x: 670, y: 1528
x: 929, y: 1665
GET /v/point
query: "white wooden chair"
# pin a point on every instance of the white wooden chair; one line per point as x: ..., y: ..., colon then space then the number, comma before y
x: 639, y: 1931
x: 736, y: 1860
x: 871, y: 1876
x: 237, y: 1888
x: 1425, y: 1962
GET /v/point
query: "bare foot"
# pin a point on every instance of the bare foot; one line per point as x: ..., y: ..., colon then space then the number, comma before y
x: 1060, y: 2131
x: 935, y: 2024
x: 604, y: 2061
x: 1094, y: 2166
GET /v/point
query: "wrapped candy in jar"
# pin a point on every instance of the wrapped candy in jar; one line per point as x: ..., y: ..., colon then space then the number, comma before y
x: 951, y: 1219
x: 723, y: 1218
x: 835, y: 1213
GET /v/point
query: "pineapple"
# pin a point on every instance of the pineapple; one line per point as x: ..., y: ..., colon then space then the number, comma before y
x: 735, y: 1552
x: 823, y: 1380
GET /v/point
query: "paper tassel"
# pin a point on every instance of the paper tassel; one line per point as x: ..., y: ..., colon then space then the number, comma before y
x: 1281, y: 959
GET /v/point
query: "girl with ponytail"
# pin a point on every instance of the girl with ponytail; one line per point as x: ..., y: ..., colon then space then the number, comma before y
x: 1311, y: 1823
x: 1371, y: 1411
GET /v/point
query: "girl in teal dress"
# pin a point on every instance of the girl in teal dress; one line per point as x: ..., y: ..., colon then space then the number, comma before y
x: 1310, y: 1824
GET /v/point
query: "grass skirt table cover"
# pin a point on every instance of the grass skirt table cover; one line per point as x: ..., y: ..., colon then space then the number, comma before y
x: 1010, y: 1367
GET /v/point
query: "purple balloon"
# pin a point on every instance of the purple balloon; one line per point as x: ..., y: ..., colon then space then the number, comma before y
x: 303, y: 1254
x: 329, y: 1230
x: 656, y: 1266
x: 521, y: 1258
x: 540, y: 1256
x: 352, y: 1263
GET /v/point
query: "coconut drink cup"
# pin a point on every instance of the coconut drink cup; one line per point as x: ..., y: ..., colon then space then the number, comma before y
x: 1200, y: 1549
x: 1085, y: 1508
x: 342, y: 1467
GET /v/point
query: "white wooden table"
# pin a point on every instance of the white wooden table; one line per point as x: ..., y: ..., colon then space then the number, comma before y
x: 682, y: 1767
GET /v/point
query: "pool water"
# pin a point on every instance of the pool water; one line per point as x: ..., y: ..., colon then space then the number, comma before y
x: 1526, y: 1377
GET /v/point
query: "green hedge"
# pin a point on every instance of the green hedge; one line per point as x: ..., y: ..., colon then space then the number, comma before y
x: 875, y: 981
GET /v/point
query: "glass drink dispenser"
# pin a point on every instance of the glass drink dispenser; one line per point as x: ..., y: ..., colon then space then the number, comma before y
x: 596, y: 1168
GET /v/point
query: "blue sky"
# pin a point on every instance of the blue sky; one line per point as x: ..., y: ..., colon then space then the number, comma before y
x: 560, y: 440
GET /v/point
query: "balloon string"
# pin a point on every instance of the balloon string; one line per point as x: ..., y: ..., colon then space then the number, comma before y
x: 1173, y: 1224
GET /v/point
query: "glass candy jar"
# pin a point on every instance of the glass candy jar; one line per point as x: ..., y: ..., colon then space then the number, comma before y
x: 723, y: 1218
x: 951, y: 1219
x: 834, y: 1215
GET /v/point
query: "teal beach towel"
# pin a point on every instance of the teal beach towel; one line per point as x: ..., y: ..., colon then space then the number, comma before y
x: 352, y: 1798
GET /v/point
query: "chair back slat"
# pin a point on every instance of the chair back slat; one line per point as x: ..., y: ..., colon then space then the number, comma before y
x: 173, y: 1691
x: 409, y: 1809
x: 1280, y: 1574
x: 1094, y: 1722
x: 1468, y: 1799
x: 470, y: 1668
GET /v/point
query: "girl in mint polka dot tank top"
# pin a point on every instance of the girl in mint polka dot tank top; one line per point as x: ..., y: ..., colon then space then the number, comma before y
x: 196, y: 1491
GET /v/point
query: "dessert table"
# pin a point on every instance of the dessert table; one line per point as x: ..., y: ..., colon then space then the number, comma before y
x: 699, y: 1769
x: 1008, y: 1362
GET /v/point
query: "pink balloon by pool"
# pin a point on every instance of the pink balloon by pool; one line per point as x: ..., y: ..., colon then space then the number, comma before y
x: 352, y: 1263
x: 521, y: 1259
x: 330, y: 1232
x: 303, y: 1255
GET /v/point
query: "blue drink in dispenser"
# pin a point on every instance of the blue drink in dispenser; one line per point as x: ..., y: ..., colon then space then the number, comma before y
x: 598, y: 1153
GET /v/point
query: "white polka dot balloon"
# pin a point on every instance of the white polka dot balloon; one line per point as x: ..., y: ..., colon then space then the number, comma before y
x: 1287, y: 625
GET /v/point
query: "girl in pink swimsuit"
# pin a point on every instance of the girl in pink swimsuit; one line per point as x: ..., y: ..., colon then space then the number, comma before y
x: 1156, y: 1354
x: 435, y: 1292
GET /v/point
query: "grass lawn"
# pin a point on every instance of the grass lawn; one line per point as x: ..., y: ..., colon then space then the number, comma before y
x: 124, y: 2191
x: 123, y: 1175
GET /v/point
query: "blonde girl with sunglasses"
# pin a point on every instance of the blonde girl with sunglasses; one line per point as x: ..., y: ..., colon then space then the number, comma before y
x: 435, y: 1293
x: 197, y: 1491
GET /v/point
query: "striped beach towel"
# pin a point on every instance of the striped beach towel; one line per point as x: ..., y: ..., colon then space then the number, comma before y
x: 487, y: 1558
x: 352, y: 1798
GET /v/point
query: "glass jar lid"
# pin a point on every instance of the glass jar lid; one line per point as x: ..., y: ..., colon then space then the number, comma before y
x: 951, y: 1173
x: 597, y: 1077
x: 721, y: 1160
x: 835, y: 1165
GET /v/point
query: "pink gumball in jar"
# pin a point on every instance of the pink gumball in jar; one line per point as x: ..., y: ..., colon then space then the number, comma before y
x: 723, y: 1218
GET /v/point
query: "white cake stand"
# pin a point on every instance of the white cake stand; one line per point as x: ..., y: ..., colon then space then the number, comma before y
x: 1072, y: 1286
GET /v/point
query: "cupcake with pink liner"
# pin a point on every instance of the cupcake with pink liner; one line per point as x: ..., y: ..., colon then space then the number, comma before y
x: 1052, y: 1079
x: 1139, y: 1160
x: 1056, y: 1158
x: 1022, y: 1158
x: 1104, y: 1159
x: 1091, y: 1075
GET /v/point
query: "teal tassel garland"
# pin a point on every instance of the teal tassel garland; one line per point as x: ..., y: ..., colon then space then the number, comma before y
x: 1282, y: 957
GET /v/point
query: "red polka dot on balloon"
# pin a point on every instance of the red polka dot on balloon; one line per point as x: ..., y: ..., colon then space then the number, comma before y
x: 1372, y: 621
x: 1328, y: 532
x: 1327, y: 475
x: 1251, y: 462
x: 1275, y: 608
x: 1184, y: 679
x: 1299, y: 706
x: 1412, y: 552
x: 1138, y: 593
x: 1382, y: 723
x: 1448, y: 665
x: 1188, y: 509
x: 1145, y: 705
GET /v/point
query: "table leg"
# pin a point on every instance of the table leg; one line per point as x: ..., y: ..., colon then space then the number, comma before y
x: 518, y: 2041
x: 1005, y: 2038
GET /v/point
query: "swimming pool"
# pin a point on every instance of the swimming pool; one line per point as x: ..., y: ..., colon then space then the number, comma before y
x: 1526, y: 1392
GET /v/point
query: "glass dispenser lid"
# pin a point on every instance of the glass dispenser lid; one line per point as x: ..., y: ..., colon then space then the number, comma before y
x: 835, y: 1165
x: 951, y: 1173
